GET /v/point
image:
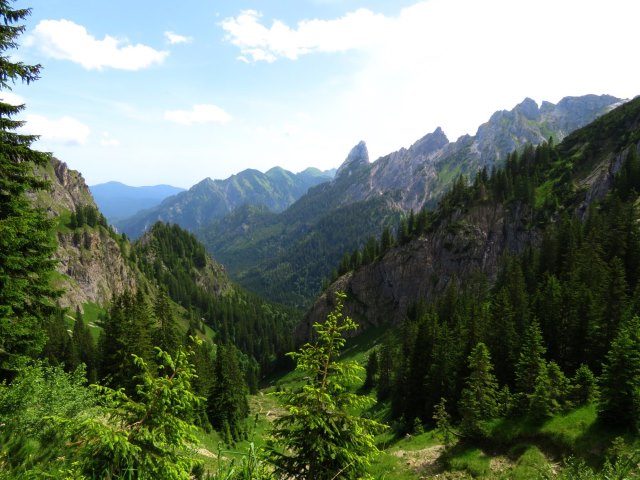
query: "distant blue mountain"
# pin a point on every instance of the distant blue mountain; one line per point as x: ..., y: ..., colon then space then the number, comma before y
x: 118, y: 201
x: 210, y: 199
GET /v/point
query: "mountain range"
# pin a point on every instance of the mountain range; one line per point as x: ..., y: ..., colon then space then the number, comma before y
x: 287, y: 256
x: 118, y: 201
x: 213, y: 199
x: 537, y: 251
x: 285, y: 248
x: 419, y: 175
x: 96, y: 265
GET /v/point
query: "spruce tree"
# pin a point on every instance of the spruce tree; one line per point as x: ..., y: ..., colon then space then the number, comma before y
x: 501, y: 336
x: 319, y: 437
x: 442, y: 418
x: 531, y: 374
x: 620, y: 383
x: 127, y: 330
x: 26, y: 246
x: 531, y: 360
x: 167, y: 335
x: 385, y: 368
x: 417, y: 361
x: 550, y: 393
x: 58, y: 348
x: 227, y: 405
x: 84, y: 347
x: 371, y: 371
x: 560, y: 387
x: 113, y: 342
x: 479, y: 397
x: 386, y: 240
x: 616, y: 301
x: 584, y: 387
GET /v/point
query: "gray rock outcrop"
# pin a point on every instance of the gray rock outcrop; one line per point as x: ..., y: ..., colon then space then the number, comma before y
x: 91, y: 262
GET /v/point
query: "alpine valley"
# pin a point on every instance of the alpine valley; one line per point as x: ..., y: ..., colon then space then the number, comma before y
x: 465, y: 309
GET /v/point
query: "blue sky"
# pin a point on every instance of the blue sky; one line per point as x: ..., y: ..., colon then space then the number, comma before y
x: 149, y: 92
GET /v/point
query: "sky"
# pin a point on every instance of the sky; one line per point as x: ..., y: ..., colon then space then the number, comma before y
x: 150, y: 92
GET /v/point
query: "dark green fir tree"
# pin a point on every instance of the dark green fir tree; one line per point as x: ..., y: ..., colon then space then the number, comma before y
x: 478, y: 402
x: 167, y: 334
x: 26, y: 244
x: 620, y: 396
x: 531, y: 360
x: 227, y: 405
x: 84, y: 347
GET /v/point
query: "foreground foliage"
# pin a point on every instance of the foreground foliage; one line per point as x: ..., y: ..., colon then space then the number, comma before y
x: 55, y: 427
x: 32, y: 444
x: 148, y: 435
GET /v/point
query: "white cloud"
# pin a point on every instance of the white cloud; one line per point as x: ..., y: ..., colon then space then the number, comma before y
x: 174, y: 38
x: 354, y: 30
x: 11, y: 98
x: 201, y: 113
x: 66, y: 40
x: 450, y: 63
x: 65, y: 130
x: 108, y: 141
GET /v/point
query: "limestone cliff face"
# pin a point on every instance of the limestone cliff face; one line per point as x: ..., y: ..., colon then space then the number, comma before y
x: 381, y: 292
x: 358, y: 157
x: 93, y: 267
x: 91, y: 260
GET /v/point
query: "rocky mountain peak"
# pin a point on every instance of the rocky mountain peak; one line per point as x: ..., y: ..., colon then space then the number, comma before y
x: 529, y: 108
x: 68, y: 189
x: 429, y: 143
x: 358, y: 156
x: 205, y: 184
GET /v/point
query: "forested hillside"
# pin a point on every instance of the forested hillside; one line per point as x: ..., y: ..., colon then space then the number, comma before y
x: 177, y: 261
x: 525, y: 320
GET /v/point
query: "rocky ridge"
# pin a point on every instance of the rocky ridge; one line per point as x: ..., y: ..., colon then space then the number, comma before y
x: 474, y: 240
x: 419, y: 175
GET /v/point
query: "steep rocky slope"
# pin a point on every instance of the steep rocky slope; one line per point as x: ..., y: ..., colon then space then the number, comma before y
x: 92, y: 260
x: 474, y: 238
x: 213, y: 199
